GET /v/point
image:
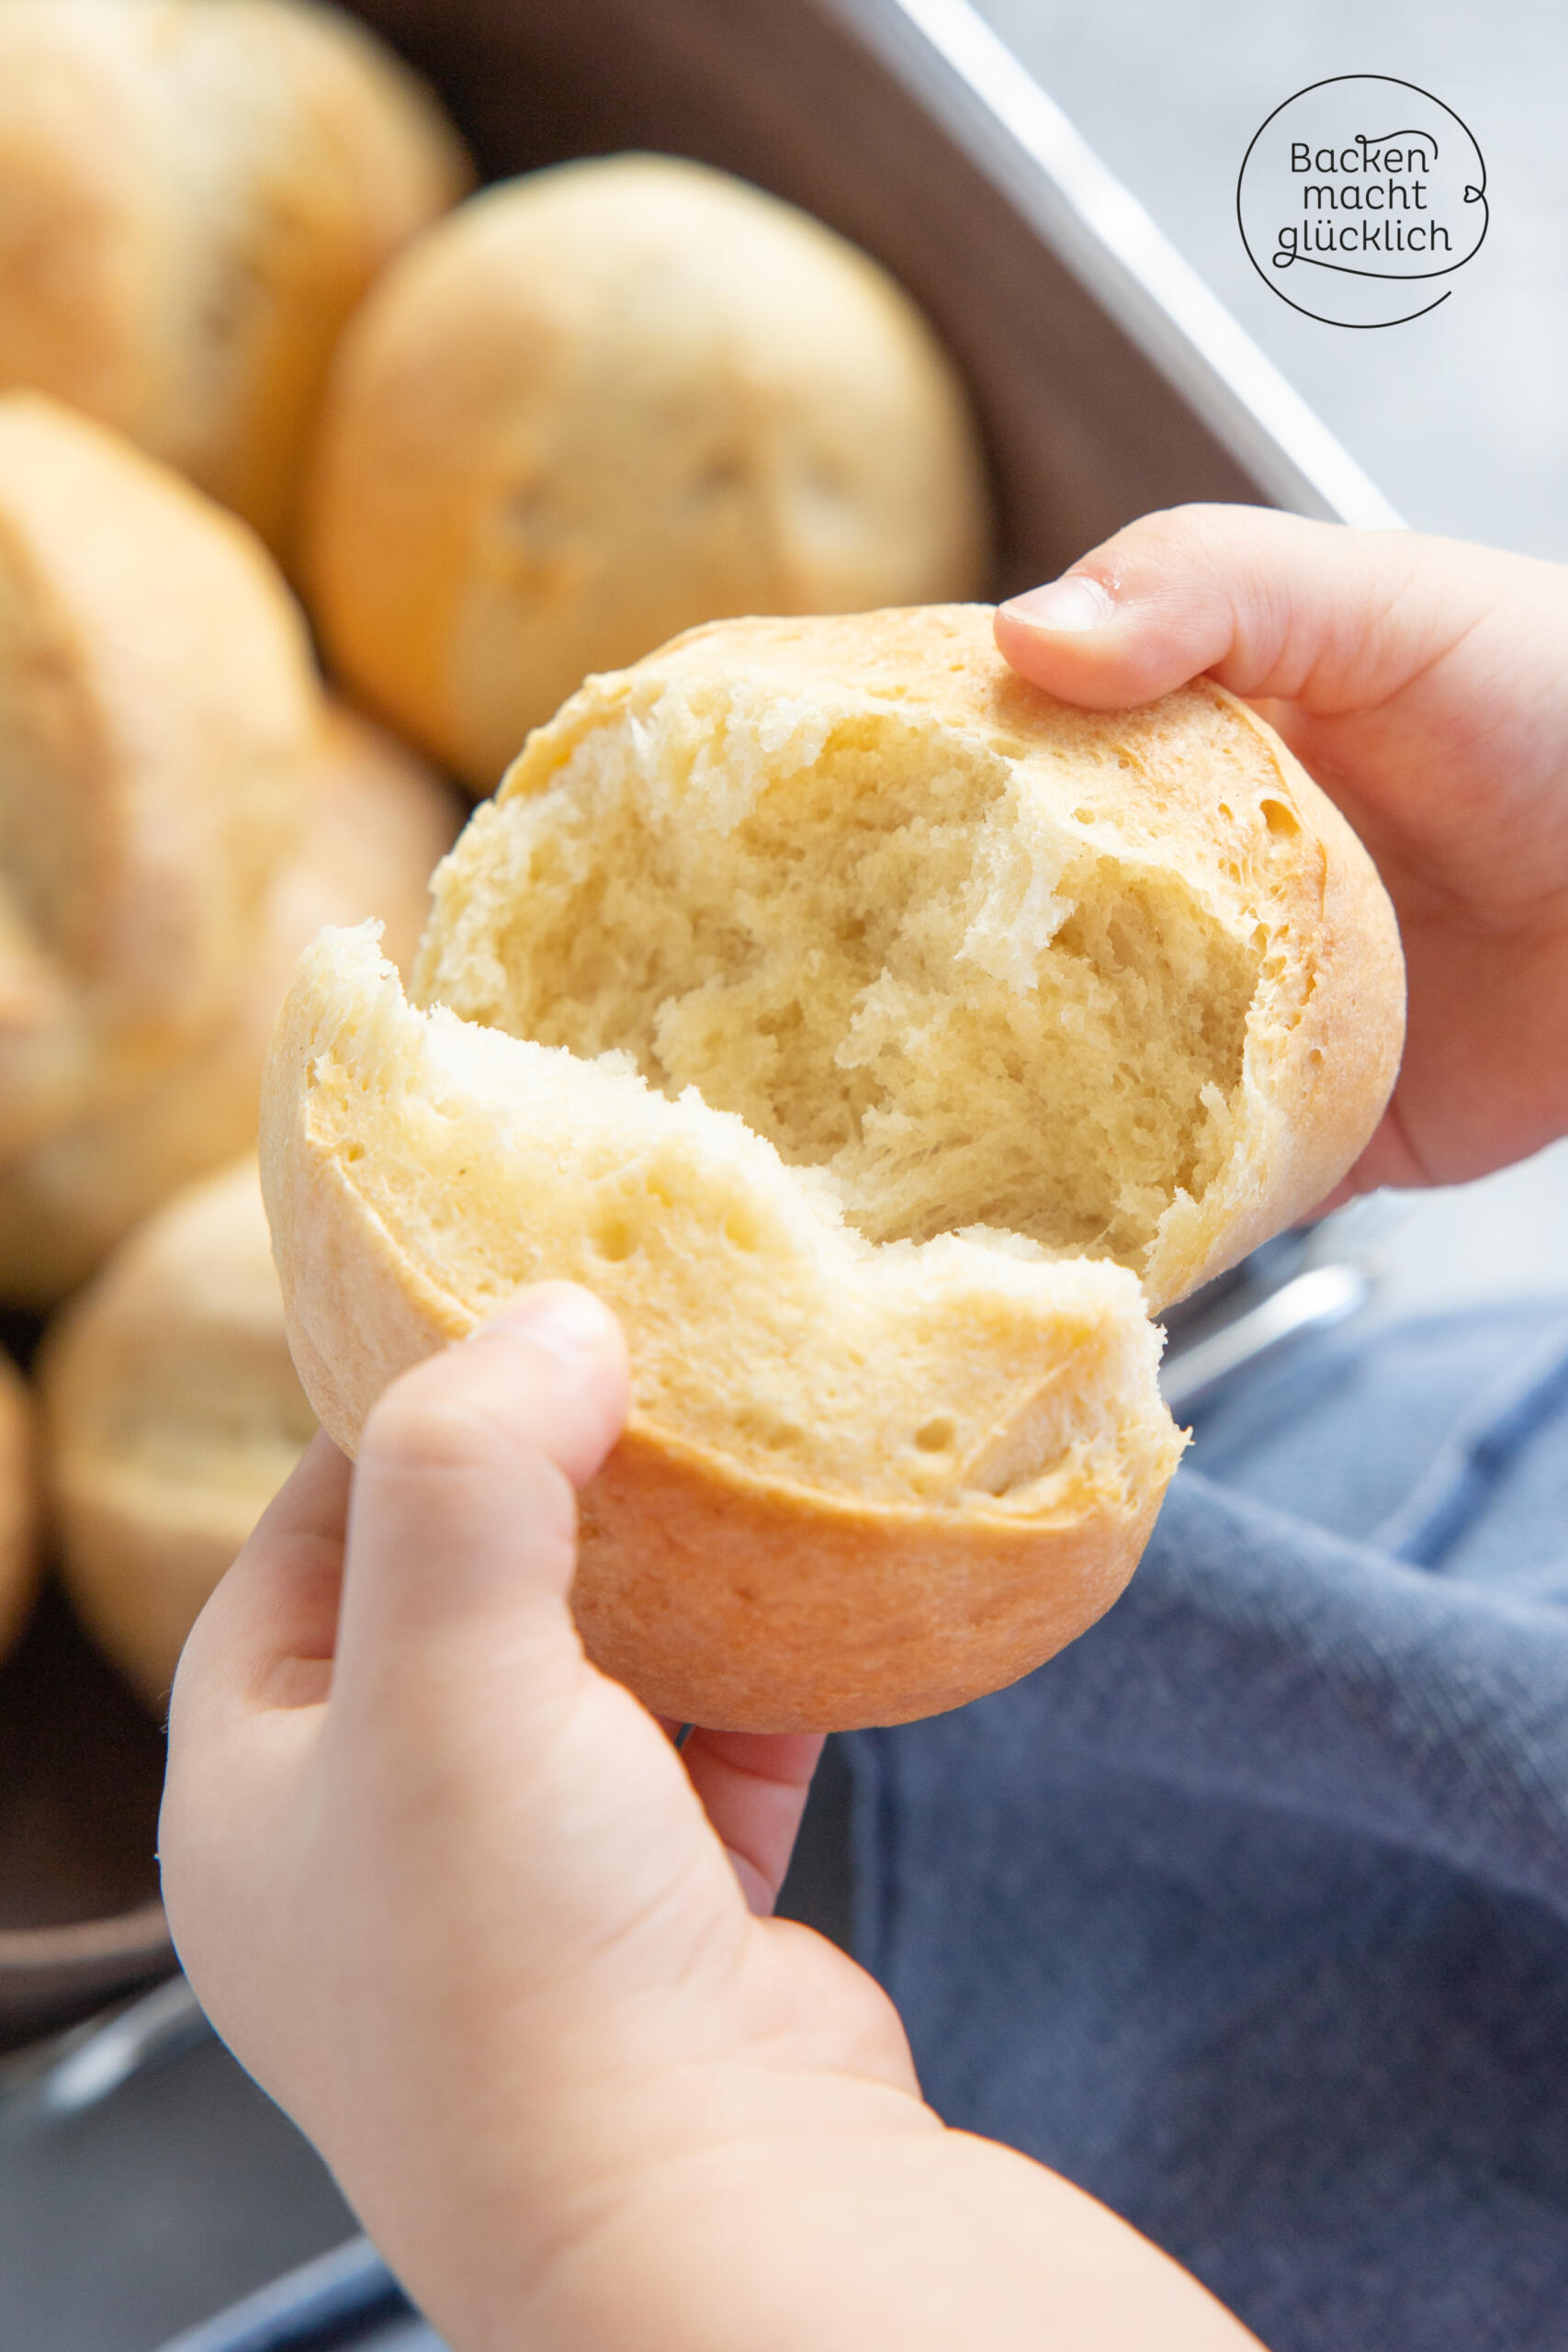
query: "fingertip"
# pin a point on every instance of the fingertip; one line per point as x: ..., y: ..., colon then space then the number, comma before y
x: 584, y: 1348
x: 1047, y: 633
x: 563, y: 1317
x: 1180, y: 593
x: 462, y: 1524
x: 1070, y: 606
x: 1098, y: 642
x: 547, y: 1371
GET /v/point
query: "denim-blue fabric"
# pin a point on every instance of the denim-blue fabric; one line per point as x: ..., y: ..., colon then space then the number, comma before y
x: 1249, y: 1913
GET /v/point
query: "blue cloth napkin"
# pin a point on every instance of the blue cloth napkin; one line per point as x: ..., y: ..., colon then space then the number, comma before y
x: 1249, y: 1913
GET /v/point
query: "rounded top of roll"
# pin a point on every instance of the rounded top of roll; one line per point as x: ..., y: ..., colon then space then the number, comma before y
x: 603, y: 402
x: 159, y: 716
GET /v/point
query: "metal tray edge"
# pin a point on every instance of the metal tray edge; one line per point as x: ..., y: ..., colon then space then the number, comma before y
x: 988, y: 101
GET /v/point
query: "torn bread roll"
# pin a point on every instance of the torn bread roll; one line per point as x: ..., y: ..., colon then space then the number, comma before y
x: 376, y: 820
x: 879, y: 1038
x: 192, y: 201
x: 20, y: 1530
x: 171, y: 1414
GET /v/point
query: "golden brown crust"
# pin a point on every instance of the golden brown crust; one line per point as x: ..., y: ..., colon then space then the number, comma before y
x: 415, y: 1166
x: 195, y: 198
x: 601, y: 402
x: 1322, y: 1087
x: 725, y: 1602
x: 719, y: 1597
x: 19, y: 1523
x: 172, y: 1413
x: 376, y: 821
x: 158, y: 717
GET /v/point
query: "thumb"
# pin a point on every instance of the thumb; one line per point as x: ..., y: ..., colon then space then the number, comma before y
x: 1270, y: 605
x: 462, y: 1525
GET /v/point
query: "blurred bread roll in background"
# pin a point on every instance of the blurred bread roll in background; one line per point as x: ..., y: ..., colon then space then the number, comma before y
x: 194, y: 195
x: 375, y: 821
x: 602, y: 402
x: 880, y: 1039
x: 159, y: 719
x: 171, y: 1414
x: 19, y: 1504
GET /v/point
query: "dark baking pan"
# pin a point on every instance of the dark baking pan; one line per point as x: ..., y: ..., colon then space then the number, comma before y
x: 80, y: 1770
x: 1108, y: 378
x: 346, y: 2301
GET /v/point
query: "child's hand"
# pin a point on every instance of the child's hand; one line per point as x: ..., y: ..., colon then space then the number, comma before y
x: 458, y: 1904
x: 1424, y: 684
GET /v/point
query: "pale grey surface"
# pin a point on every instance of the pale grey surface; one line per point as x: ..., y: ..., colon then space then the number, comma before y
x: 1504, y: 1237
x: 1458, y: 417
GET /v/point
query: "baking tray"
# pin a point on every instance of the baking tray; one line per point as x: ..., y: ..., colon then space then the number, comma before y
x: 342, y: 2299
x: 81, y: 1773
x: 1108, y: 379
x: 1107, y: 382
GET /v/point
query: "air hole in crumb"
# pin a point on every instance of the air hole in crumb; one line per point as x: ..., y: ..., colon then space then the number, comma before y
x: 614, y: 1239
x: 1279, y: 818
x: 935, y: 1437
x: 769, y: 1429
x: 741, y: 1228
x: 1083, y: 815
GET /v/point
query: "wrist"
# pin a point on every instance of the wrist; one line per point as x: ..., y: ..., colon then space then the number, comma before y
x: 876, y: 2225
x: 645, y: 2213
x: 574, y: 2115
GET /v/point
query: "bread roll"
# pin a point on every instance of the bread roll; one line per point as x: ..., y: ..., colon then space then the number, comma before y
x: 604, y: 403
x: 376, y: 821
x: 172, y: 1415
x: 18, y: 1504
x: 193, y: 196
x: 878, y: 1039
x: 158, y: 716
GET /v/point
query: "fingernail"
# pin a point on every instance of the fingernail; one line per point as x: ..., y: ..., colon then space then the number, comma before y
x: 1068, y: 607
x: 569, y: 1323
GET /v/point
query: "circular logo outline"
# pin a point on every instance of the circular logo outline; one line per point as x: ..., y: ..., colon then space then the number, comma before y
x: 1477, y: 195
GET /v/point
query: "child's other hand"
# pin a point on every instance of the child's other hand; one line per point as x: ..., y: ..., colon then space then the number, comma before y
x: 461, y: 1907
x: 1424, y: 684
